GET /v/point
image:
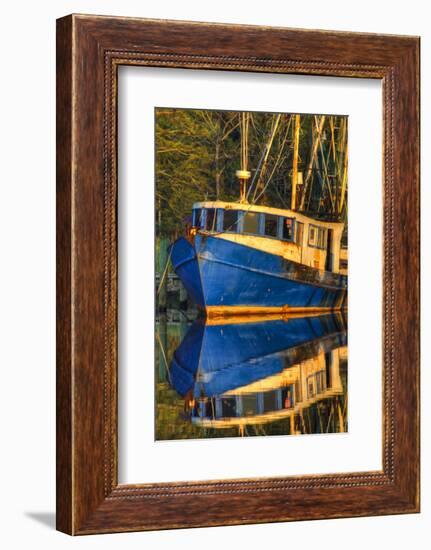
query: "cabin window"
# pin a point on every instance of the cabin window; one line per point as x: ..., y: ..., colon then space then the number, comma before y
x: 271, y: 225
x: 251, y: 223
x: 249, y: 405
x: 299, y: 233
x: 311, y: 387
x: 210, y: 223
x: 323, y: 236
x: 287, y: 231
x: 312, y: 235
x: 270, y: 401
x: 288, y: 397
x: 343, y: 263
x: 320, y: 381
x: 316, y: 236
x: 219, y: 220
x: 230, y: 220
x: 228, y: 407
x: 197, y: 217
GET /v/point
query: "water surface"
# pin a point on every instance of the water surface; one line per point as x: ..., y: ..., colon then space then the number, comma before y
x: 251, y: 377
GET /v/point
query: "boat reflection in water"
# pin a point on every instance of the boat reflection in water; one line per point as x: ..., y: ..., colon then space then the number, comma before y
x: 281, y: 375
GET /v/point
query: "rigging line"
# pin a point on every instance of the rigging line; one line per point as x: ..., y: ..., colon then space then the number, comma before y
x: 185, y: 316
x: 329, y: 418
x: 281, y: 151
x: 256, y: 131
x: 261, y: 161
x: 325, y: 171
x: 309, y: 171
x: 275, y: 165
x: 164, y: 273
x: 165, y: 359
x: 281, y: 199
x: 256, y: 172
x: 228, y: 132
x: 274, y: 130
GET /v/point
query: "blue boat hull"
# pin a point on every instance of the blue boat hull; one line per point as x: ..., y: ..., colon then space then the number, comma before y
x: 222, y: 275
x: 214, y: 359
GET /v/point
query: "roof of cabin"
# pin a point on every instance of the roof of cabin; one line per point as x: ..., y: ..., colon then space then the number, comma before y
x: 267, y: 210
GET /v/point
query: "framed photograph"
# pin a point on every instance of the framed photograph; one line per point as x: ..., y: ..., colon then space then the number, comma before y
x: 237, y: 274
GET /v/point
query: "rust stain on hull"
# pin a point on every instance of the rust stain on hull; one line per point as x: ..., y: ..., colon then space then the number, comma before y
x: 221, y: 312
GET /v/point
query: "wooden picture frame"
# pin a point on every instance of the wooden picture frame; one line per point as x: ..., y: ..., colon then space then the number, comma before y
x: 89, y: 51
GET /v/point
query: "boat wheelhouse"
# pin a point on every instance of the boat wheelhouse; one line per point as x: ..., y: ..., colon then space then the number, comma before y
x: 238, y: 258
x: 286, y: 233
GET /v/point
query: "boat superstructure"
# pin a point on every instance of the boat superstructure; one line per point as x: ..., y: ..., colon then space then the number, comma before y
x: 239, y: 259
x: 286, y: 233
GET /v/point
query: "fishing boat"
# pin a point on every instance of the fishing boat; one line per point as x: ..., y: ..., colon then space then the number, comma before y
x: 239, y: 258
x: 253, y: 372
x: 244, y: 259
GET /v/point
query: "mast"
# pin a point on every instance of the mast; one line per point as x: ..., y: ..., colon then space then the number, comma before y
x: 295, y: 161
x: 343, y: 153
x: 243, y: 174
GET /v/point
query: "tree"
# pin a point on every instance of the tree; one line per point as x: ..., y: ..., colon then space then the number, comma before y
x: 198, y: 152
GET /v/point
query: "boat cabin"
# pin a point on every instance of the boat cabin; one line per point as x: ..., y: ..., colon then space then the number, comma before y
x: 282, y: 232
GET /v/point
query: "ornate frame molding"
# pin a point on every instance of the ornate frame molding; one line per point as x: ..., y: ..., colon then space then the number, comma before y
x: 90, y: 50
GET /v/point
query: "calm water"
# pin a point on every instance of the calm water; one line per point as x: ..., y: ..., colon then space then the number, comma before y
x: 278, y: 376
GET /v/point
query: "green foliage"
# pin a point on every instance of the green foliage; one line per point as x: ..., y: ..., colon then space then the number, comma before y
x: 198, y: 152
x: 186, y: 162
